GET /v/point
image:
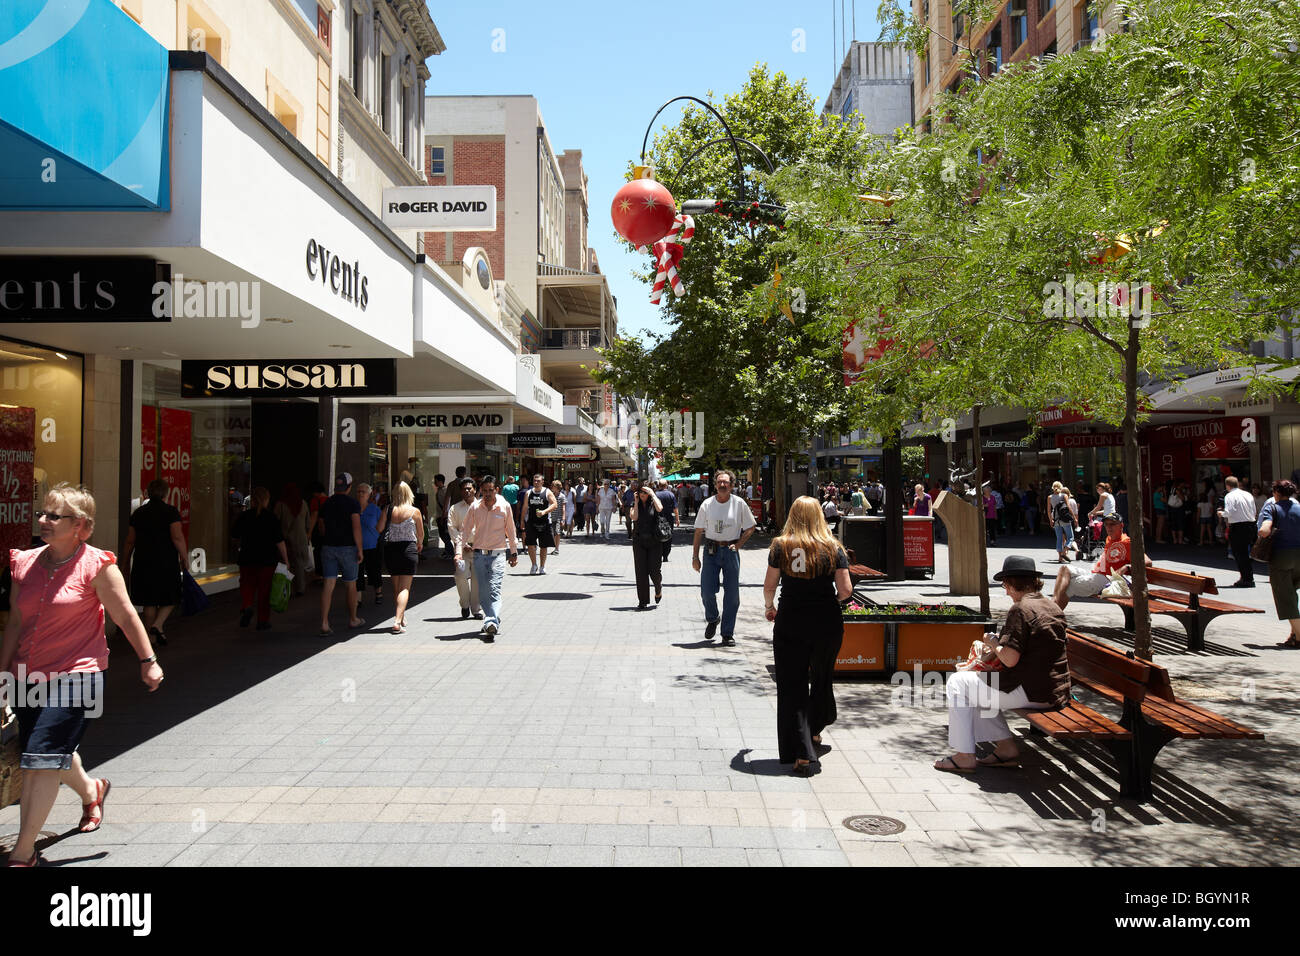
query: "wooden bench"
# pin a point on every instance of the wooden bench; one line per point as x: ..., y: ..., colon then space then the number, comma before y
x: 1151, y: 716
x: 860, y: 572
x: 1184, y: 602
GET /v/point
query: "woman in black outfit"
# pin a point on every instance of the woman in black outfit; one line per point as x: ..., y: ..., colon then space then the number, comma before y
x: 157, y: 543
x: 261, y: 547
x: 647, y: 550
x: 813, y: 572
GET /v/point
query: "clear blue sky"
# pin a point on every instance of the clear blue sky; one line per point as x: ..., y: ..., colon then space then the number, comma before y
x: 599, y: 71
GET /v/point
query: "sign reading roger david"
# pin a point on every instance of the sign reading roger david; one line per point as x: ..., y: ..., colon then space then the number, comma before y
x: 475, y: 420
x: 445, y: 208
x: 277, y: 377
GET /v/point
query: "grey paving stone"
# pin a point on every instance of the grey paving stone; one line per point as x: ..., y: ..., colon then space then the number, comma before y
x: 647, y: 856
x: 760, y: 838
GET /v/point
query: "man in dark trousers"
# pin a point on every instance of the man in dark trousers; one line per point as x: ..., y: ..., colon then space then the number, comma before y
x: 1239, y: 511
x: 341, y: 552
x: 669, y: 500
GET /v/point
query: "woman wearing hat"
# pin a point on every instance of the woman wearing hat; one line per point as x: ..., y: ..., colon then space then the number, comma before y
x: 1034, y: 674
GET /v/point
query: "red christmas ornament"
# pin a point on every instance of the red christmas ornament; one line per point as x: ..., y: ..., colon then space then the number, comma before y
x: 643, y: 212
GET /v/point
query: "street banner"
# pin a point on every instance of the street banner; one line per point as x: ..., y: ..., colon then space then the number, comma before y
x: 918, y: 543
x: 17, y: 478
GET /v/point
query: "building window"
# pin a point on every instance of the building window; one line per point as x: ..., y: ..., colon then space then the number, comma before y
x: 956, y: 32
x: 358, y: 49
x: 386, y: 92
x: 1087, y: 23
x: 995, y: 49
x: 927, y: 72
x: 406, y: 122
x: 925, y: 10
x: 437, y: 161
x: 201, y: 31
x: 1018, y: 12
x: 1044, y: 7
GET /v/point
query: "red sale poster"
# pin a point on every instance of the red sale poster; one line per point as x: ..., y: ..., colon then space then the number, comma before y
x: 174, y: 460
x: 149, y: 442
x: 17, y: 478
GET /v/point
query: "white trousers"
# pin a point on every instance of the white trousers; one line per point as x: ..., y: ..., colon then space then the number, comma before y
x: 975, y: 710
x: 467, y: 586
x: 605, y: 517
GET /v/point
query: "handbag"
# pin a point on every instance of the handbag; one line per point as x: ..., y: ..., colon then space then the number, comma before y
x: 665, y: 529
x: 11, y: 771
x: 193, y: 600
x: 1262, y: 549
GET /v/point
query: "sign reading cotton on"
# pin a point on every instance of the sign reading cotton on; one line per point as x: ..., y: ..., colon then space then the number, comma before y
x: 444, y: 208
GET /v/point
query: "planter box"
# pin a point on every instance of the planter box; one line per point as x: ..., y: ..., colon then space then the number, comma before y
x: 863, y: 650
x: 883, y: 644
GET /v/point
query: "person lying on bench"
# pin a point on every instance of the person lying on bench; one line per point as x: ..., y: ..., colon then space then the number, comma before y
x: 1115, y: 556
x: 1034, y: 674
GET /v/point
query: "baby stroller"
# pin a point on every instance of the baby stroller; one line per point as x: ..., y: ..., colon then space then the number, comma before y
x: 1089, y: 537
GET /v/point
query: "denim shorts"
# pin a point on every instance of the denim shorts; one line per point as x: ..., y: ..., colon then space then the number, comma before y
x: 53, y: 717
x: 339, y: 561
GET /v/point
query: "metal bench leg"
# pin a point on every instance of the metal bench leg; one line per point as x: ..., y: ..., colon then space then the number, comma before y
x: 1195, y: 627
x: 1129, y: 624
x: 1148, y: 739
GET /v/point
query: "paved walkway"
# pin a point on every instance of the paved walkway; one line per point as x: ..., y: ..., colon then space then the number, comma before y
x: 590, y: 733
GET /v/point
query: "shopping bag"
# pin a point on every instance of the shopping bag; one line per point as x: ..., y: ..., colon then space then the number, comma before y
x: 280, y: 588
x: 1118, y: 586
x: 11, y: 771
x: 193, y: 600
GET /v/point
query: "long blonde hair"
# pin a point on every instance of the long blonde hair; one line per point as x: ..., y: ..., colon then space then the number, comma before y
x: 403, y: 497
x: 806, y: 537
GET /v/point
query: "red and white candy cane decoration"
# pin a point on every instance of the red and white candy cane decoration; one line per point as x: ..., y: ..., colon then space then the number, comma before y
x: 668, y: 253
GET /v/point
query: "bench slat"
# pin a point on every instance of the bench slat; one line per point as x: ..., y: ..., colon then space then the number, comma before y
x: 1208, y: 604
x: 1083, y: 649
x: 1206, y: 722
x: 1075, y: 720
x: 1191, y: 583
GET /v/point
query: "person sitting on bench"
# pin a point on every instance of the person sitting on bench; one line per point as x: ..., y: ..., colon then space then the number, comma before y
x: 1115, y: 556
x: 1034, y: 674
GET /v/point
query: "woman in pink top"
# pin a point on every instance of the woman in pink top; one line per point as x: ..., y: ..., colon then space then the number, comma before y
x: 54, y: 646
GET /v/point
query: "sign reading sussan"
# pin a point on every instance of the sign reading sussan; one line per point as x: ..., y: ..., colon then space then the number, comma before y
x: 476, y: 420
x: 445, y: 208
x: 298, y: 377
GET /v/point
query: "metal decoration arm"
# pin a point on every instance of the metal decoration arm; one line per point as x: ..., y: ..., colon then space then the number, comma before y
x: 740, y: 165
x: 733, y: 140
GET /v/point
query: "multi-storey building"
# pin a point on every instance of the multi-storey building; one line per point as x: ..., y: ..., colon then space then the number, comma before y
x: 539, y: 246
x: 873, y: 88
x: 197, y: 284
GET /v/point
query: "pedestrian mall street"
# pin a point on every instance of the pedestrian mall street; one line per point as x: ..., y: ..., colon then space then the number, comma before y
x: 591, y: 733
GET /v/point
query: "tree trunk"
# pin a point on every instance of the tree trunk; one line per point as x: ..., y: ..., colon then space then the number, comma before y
x: 892, y: 462
x: 1132, y: 463
x: 977, y: 449
x: 778, y: 486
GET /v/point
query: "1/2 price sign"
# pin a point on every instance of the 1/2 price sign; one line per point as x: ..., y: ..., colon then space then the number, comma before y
x: 17, y: 478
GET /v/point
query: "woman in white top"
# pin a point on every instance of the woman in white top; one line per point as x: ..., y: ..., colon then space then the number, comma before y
x: 570, y: 508
x: 405, y: 541
x: 606, y: 498
x: 1105, y: 502
x: 1063, y: 527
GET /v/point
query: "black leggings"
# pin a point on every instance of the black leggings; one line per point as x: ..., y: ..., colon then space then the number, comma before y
x: 371, y: 569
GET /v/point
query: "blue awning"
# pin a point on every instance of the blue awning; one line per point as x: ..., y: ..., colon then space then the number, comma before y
x: 83, y: 108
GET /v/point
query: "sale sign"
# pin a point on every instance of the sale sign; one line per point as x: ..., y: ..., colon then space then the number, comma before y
x: 17, y: 478
x: 174, y: 433
x: 149, y: 443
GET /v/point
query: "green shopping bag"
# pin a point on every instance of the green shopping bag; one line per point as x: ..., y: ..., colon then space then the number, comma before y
x: 280, y: 588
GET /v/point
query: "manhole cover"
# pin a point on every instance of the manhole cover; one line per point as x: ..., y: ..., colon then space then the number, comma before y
x: 874, y: 825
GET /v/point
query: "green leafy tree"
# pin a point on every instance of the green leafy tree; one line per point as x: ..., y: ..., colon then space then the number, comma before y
x: 1163, y: 160
x: 761, y: 381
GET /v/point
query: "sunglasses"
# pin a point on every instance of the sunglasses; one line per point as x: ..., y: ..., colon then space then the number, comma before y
x: 51, y: 516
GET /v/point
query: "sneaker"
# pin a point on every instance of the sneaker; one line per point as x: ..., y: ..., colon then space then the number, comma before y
x: 710, y: 629
x: 478, y: 615
x: 728, y: 641
x: 246, y: 617
x: 490, y: 628
x: 464, y: 614
x: 533, y: 570
x: 541, y: 570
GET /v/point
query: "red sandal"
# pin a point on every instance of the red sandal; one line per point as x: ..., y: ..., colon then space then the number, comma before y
x: 88, y: 825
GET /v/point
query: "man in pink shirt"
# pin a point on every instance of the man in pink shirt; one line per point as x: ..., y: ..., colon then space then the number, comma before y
x: 489, y: 535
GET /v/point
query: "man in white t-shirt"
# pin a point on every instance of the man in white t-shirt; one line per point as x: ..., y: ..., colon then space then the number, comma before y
x: 724, y: 523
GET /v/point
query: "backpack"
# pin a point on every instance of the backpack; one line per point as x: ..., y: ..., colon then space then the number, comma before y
x: 1062, y: 513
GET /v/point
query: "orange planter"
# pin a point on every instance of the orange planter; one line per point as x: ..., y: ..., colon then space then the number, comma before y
x: 936, y: 646
x: 863, y: 650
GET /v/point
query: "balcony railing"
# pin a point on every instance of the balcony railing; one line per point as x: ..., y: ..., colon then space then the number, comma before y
x: 551, y: 269
x: 584, y: 338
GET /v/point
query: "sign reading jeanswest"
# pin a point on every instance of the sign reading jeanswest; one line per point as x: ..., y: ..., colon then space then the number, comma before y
x: 478, y: 420
x: 299, y: 377
x: 445, y: 208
